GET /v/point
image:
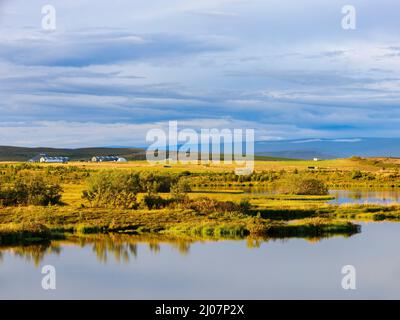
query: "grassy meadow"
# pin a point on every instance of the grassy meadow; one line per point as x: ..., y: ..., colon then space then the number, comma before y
x: 207, y: 201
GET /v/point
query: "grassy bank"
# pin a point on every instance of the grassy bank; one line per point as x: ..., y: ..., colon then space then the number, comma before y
x: 30, y: 224
x: 27, y: 233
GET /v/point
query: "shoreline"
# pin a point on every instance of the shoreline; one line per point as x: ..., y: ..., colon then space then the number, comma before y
x: 34, y: 224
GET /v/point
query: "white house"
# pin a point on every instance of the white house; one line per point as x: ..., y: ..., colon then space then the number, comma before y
x: 37, y: 157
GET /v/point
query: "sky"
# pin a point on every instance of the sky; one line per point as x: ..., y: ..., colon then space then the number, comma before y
x: 112, y: 70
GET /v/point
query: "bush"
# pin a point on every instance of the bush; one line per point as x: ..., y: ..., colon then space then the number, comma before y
x: 113, y: 189
x: 180, y: 189
x: 30, y: 192
x: 207, y: 205
x: 356, y: 174
x: 154, y: 201
x: 244, y: 206
x: 153, y: 182
x: 304, y: 186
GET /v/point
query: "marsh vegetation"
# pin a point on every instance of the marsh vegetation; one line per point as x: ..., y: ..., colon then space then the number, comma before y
x: 44, y: 201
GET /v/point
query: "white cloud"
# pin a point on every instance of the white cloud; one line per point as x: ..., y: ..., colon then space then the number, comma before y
x: 121, y: 67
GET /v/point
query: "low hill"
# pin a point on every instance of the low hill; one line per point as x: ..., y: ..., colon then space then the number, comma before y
x: 8, y: 153
x: 24, y: 154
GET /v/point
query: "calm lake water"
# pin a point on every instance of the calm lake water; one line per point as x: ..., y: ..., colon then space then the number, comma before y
x: 132, y: 268
x: 365, y: 196
x: 387, y: 196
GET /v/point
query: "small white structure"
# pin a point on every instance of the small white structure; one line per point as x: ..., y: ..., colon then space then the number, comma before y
x: 105, y: 159
x: 317, y: 159
x: 46, y: 159
x: 37, y: 158
x: 108, y: 159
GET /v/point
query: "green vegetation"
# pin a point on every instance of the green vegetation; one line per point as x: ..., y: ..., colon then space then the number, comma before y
x: 41, y: 202
x: 30, y: 191
x: 303, y: 186
x: 113, y: 189
x: 25, y: 232
x: 163, y: 221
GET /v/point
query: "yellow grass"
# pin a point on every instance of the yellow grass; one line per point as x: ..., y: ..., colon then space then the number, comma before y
x: 73, y: 192
x: 339, y: 164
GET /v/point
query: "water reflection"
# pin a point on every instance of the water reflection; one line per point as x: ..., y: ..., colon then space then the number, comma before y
x: 124, y: 248
x: 365, y: 196
x: 32, y: 253
x: 355, y: 196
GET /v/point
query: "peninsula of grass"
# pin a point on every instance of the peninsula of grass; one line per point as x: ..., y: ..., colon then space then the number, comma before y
x: 34, y: 224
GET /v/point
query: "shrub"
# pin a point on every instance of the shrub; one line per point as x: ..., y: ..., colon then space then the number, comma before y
x: 180, y: 189
x: 244, y: 206
x: 34, y: 191
x: 356, y: 174
x: 153, y: 182
x: 304, y: 186
x: 113, y: 189
x: 154, y: 201
x: 207, y: 205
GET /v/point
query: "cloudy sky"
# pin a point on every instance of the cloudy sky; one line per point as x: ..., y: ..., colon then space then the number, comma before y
x: 112, y: 70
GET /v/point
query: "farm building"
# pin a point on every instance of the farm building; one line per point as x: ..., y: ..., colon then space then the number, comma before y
x: 37, y: 157
x: 46, y: 159
x: 108, y: 159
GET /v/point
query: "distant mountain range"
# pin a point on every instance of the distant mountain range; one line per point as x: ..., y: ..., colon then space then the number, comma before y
x: 289, y: 149
x: 330, y: 148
